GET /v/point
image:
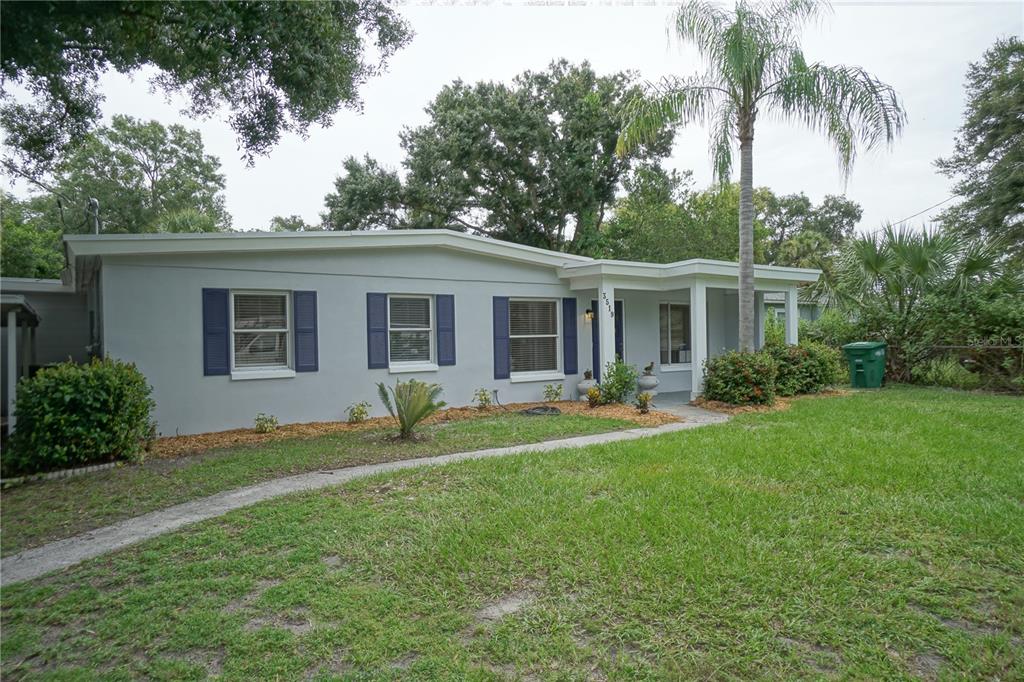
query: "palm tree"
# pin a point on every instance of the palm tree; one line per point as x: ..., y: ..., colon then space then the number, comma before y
x: 754, y: 66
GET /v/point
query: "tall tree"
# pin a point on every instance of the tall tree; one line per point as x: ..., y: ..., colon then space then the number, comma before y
x: 797, y: 230
x: 755, y: 66
x: 988, y: 160
x: 276, y: 66
x: 532, y: 161
x: 366, y: 197
x: 142, y: 173
x: 28, y: 248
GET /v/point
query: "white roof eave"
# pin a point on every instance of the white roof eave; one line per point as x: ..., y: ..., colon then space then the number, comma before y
x: 687, y: 268
x: 257, y: 242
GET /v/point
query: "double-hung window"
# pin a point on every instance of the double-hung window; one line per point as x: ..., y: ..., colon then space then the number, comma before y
x: 675, y: 333
x: 410, y: 330
x: 533, y: 335
x: 259, y: 330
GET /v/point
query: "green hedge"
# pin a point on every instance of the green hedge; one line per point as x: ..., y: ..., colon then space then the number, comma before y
x: 756, y: 378
x: 741, y: 378
x: 72, y: 415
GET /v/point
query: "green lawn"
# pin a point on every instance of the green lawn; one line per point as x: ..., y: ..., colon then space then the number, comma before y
x: 40, y: 512
x: 874, y: 536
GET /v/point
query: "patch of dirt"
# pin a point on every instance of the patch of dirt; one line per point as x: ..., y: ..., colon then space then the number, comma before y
x: 824, y: 660
x: 505, y: 606
x: 926, y: 665
x: 170, y: 447
x: 337, y: 666
x: 236, y: 605
x: 779, y: 405
x: 296, y: 622
x: 405, y: 662
x: 333, y: 561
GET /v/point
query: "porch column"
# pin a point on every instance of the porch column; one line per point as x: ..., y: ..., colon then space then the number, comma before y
x: 606, y: 324
x: 12, y: 365
x: 792, y: 316
x: 26, y: 349
x: 758, y: 320
x: 698, y: 333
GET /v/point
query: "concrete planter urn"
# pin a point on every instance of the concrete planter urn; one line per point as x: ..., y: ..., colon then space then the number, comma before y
x: 648, y: 383
x: 585, y: 385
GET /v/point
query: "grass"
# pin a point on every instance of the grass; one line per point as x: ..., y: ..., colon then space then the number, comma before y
x: 878, y: 535
x: 37, y: 513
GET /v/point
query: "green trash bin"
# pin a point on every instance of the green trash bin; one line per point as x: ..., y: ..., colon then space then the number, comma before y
x: 867, y: 363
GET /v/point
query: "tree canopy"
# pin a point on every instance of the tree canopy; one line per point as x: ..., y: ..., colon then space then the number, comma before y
x: 988, y: 159
x: 276, y: 66
x: 532, y: 161
x: 662, y: 219
x: 141, y: 173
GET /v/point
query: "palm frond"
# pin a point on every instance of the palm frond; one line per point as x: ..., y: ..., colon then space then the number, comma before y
x: 670, y: 102
x: 722, y: 140
x: 847, y: 104
x: 703, y: 24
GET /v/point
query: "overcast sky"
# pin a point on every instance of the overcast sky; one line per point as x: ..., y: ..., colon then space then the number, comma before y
x: 922, y: 49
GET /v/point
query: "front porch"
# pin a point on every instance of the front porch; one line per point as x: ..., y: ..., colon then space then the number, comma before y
x: 673, y: 316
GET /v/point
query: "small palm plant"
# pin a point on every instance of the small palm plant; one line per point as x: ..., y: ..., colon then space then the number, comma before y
x: 410, y: 402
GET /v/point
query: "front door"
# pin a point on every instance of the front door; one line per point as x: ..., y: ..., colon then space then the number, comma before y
x: 595, y: 336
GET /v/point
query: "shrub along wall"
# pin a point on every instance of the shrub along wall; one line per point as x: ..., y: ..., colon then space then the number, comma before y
x: 72, y: 415
x: 756, y: 378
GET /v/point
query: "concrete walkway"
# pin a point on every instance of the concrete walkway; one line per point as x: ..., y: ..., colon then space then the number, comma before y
x: 61, y: 554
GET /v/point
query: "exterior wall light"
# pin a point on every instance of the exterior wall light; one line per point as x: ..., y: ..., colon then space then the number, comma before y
x: 588, y: 315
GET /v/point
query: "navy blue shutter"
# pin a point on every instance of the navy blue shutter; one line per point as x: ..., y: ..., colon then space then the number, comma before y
x: 502, y: 345
x: 216, y: 334
x: 619, y: 320
x: 304, y: 306
x: 377, y: 330
x: 570, y: 349
x: 445, y: 304
x: 595, y: 341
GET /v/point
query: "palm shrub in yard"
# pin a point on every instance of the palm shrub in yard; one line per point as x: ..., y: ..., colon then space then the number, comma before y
x: 410, y: 402
x: 71, y: 415
x: 741, y: 378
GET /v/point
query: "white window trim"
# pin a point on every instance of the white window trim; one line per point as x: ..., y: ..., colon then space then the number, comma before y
x: 673, y: 366
x: 541, y: 375
x: 399, y: 366
x: 285, y: 371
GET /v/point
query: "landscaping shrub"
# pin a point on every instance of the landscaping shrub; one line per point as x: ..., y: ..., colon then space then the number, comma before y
x: 593, y: 396
x: 72, y: 415
x: 618, y: 382
x: 265, y: 423
x: 946, y: 372
x: 482, y: 398
x: 808, y: 368
x: 552, y: 393
x: 643, y: 402
x: 774, y: 331
x: 833, y: 328
x: 358, y: 412
x: 740, y: 378
x: 413, y: 402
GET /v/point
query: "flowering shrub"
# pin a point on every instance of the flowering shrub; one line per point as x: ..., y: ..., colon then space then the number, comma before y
x: 741, y: 378
x: 358, y: 412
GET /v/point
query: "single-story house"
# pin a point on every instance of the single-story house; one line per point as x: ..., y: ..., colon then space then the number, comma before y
x: 301, y: 325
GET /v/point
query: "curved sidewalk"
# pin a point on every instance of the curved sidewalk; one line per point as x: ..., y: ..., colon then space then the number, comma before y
x: 61, y: 554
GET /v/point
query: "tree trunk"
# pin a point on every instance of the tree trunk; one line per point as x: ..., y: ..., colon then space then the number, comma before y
x: 746, y: 292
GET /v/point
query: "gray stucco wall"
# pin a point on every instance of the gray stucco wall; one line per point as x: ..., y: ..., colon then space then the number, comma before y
x: 152, y: 315
x: 62, y: 334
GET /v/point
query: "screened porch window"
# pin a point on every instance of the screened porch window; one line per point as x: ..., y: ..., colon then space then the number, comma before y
x: 259, y: 327
x: 533, y: 335
x: 410, y: 329
x: 675, y: 333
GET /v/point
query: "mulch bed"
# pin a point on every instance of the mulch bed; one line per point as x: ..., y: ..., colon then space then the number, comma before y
x: 779, y: 405
x: 178, y: 446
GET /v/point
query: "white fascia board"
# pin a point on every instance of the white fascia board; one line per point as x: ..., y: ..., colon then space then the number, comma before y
x: 263, y: 242
x: 651, y: 272
x: 35, y: 286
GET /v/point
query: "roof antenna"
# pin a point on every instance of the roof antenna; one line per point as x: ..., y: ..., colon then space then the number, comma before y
x: 94, y: 208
